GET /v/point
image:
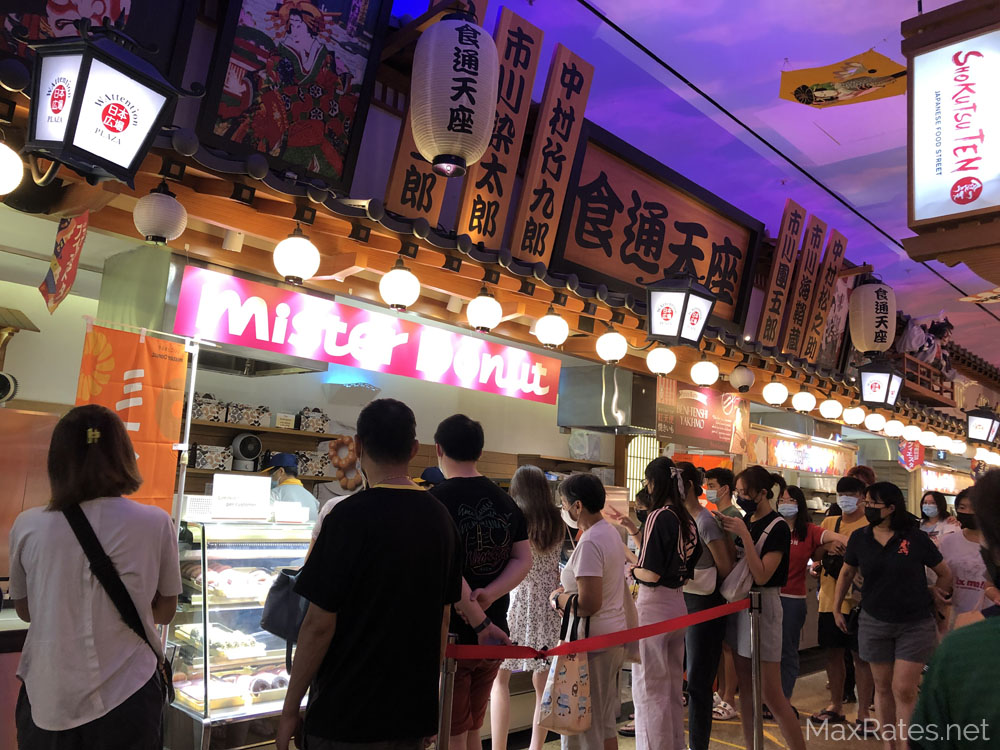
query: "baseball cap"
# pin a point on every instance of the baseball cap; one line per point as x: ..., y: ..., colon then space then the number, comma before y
x: 281, y: 461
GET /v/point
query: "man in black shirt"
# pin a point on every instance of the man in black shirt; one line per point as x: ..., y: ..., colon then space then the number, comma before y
x: 380, y: 580
x: 496, y: 557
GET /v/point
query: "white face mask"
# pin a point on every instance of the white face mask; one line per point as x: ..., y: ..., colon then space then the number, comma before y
x: 711, y: 496
x: 568, y: 519
x: 847, y: 503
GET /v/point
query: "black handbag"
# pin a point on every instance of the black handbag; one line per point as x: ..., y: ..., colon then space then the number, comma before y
x: 107, y: 575
x: 284, y: 611
x: 833, y: 564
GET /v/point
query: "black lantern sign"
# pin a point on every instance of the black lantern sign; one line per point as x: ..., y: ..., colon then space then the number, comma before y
x: 679, y: 308
x: 981, y: 425
x: 880, y: 384
x: 96, y: 105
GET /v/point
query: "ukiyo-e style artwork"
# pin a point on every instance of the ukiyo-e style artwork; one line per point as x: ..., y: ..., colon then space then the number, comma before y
x: 297, y: 83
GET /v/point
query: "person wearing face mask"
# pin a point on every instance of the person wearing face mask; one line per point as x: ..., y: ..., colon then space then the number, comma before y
x: 756, y: 490
x: 807, y: 537
x: 593, y: 575
x: 719, y: 483
x: 286, y: 486
x: 897, y: 631
x: 959, y: 686
x: 935, y: 520
x: 973, y: 591
x: 836, y: 643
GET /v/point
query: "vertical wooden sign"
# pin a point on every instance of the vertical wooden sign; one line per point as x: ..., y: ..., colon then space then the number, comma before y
x: 800, y: 294
x: 546, y: 176
x: 833, y: 261
x: 486, y: 194
x: 782, y: 269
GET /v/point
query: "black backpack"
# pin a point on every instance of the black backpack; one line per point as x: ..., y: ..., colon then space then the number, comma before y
x: 284, y: 611
x: 833, y: 564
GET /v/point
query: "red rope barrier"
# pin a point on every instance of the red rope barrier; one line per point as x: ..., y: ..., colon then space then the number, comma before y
x: 597, y: 642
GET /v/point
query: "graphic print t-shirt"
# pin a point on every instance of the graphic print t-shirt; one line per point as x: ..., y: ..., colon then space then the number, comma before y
x: 489, y: 524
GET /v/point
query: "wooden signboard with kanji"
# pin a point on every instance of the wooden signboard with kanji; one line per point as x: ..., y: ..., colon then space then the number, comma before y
x: 630, y: 221
x: 486, y: 193
x: 800, y: 293
x: 555, y: 144
x: 833, y: 260
x: 414, y: 190
x: 782, y: 269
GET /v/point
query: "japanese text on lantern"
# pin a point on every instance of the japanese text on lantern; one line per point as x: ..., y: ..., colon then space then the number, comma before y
x: 800, y: 293
x: 414, y: 189
x: 881, y: 315
x: 486, y: 192
x: 782, y: 270
x: 546, y: 177
x: 636, y: 228
x: 833, y: 260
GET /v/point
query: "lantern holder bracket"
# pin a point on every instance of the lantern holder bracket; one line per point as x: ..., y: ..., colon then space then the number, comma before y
x: 42, y: 178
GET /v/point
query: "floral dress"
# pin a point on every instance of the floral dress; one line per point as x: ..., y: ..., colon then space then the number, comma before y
x: 532, y: 620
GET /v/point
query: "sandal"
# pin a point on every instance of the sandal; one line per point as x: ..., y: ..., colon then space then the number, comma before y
x: 826, y: 715
x: 766, y: 713
x: 867, y: 728
x: 723, y: 712
x: 627, y: 730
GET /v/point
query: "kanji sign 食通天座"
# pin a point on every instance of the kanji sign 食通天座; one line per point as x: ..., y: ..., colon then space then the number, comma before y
x: 631, y: 221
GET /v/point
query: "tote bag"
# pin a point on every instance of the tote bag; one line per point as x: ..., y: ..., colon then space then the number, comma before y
x: 566, y: 706
x: 736, y: 585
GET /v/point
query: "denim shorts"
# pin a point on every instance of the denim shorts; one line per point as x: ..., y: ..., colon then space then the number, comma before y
x: 882, y: 642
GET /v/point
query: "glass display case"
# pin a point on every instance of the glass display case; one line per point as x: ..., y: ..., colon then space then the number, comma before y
x: 230, y: 685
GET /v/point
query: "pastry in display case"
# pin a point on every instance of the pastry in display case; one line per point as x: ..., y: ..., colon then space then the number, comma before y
x: 228, y: 671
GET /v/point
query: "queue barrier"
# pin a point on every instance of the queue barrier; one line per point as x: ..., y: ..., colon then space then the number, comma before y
x: 455, y: 653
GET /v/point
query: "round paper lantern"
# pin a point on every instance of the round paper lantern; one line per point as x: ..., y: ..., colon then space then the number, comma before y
x: 775, y: 393
x: 661, y: 360
x: 399, y: 288
x: 854, y: 416
x: 893, y: 428
x: 159, y: 216
x: 612, y: 347
x: 742, y: 378
x: 551, y: 330
x: 927, y: 438
x: 704, y: 372
x: 970, y: 451
x: 911, y: 433
x: 874, y: 422
x: 872, y: 315
x: 943, y: 443
x: 831, y: 409
x: 453, y: 96
x: 958, y: 447
x: 11, y: 169
x: 296, y: 258
x: 484, y: 312
x: 803, y: 401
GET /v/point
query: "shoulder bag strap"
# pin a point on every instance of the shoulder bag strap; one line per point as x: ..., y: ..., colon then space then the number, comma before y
x: 836, y: 527
x: 760, y: 542
x: 104, y: 571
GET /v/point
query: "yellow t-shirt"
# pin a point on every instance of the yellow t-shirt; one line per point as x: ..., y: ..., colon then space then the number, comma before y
x: 827, y: 585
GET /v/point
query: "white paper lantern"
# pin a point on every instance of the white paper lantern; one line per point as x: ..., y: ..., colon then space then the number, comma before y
x: 872, y: 315
x: 484, y: 312
x: 943, y: 443
x: 159, y: 216
x: 11, y: 169
x: 854, y: 416
x: 612, y: 347
x: 928, y: 438
x: 296, y: 258
x: 775, y: 393
x: 874, y: 422
x: 661, y: 361
x: 803, y: 401
x: 970, y: 451
x: 958, y: 447
x: 742, y: 378
x: 831, y: 409
x: 453, y: 94
x: 911, y: 433
x: 704, y: 372
x: 399, y: 288
x: 893, y: 428
x: 551, y: 329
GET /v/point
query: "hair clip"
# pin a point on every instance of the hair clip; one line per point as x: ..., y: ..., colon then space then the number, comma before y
x: 93, y: 435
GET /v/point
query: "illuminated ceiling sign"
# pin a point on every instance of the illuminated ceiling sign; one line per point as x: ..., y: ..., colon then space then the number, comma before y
x: 817, y: 459
x: 230, y: 310
x: 944, y: 481
x: 954, y: 136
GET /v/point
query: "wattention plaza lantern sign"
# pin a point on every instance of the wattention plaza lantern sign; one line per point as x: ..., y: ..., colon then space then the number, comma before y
x: 230, y: 310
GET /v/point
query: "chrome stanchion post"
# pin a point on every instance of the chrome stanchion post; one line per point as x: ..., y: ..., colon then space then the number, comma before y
x: 448, y: 667
x: 755, y: 671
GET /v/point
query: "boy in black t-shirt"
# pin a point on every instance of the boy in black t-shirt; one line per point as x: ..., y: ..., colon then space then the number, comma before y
x: 380, y: 580
x: 496, y: 557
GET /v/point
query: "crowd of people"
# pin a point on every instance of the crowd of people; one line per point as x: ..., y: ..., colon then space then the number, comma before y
x: 395, y: 568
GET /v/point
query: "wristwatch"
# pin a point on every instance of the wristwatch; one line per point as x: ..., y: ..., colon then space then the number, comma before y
x: 482, y: 626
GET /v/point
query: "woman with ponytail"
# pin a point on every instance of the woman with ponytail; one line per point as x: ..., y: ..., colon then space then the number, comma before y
x: 757, y: 491
x: 670, y: 551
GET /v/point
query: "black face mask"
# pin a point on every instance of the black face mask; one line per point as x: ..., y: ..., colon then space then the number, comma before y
x: 747, y: 504
x: 874, y: 516
x: 992, y: 574
x: 967, y: 521
x: 642, y: 515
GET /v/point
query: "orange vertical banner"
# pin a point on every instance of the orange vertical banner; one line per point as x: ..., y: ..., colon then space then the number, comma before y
x: 141, y: 379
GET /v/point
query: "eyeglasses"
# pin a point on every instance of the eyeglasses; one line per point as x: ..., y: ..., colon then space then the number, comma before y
x: 875, y: 504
